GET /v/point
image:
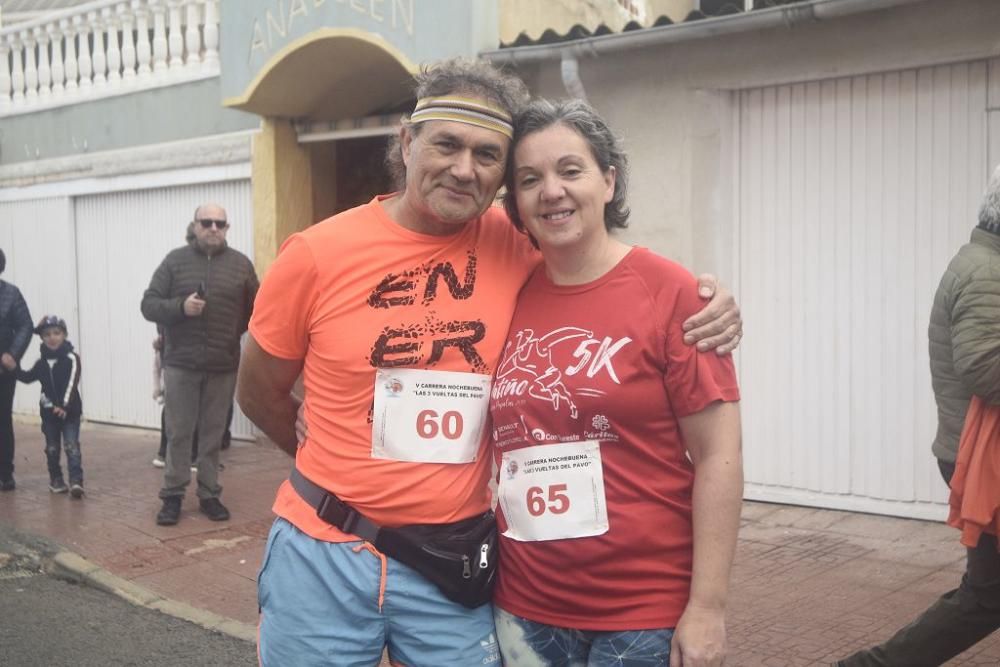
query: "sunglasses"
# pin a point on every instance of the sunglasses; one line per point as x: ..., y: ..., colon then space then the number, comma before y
x: 208, y: 222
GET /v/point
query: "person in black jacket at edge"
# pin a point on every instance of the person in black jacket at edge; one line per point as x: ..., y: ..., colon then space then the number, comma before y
x: 15, y: 334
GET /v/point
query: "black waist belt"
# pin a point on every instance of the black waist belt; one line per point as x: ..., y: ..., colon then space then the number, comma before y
x: 332, y: 509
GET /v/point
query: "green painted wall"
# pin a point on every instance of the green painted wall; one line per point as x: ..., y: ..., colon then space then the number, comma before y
x: 171, y: 113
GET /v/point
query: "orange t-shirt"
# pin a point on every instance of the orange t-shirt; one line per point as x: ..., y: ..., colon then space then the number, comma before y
x: 359, y: 292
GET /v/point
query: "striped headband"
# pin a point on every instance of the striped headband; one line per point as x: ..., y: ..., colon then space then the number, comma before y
x: 463, y: 110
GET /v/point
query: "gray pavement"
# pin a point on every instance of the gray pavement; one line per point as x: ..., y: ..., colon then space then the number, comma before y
x: 809, y: 586
x: 49, y: 621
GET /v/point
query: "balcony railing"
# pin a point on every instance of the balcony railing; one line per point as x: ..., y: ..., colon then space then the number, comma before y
x: 105, y: 48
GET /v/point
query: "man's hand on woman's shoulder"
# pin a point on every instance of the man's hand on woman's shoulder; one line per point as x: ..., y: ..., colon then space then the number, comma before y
x: 718, y: 326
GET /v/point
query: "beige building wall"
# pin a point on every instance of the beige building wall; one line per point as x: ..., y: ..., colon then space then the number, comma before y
x: 851, y: 198
x: 674, y: 108
x: 282, y: 174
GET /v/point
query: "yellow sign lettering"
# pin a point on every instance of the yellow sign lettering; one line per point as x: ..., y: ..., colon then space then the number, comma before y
x: 403, y: 9
x: 276, y: 23
x: 280, y: 28
x: 297, y: 8
x: 258, y: 41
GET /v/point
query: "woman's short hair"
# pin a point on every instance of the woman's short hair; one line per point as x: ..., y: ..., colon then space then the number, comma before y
x: 604, y: 146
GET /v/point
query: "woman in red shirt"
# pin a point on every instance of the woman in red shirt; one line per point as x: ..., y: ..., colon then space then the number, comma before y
x: 617, y: 446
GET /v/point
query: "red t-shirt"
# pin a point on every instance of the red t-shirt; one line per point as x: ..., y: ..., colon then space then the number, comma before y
x: 615, y: 345
x: 359, y: 292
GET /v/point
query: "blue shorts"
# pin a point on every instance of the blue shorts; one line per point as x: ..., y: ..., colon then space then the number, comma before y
x: 525, y: 643
x: 342, y: 604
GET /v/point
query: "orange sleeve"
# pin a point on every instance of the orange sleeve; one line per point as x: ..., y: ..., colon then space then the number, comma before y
x: 284, y: 306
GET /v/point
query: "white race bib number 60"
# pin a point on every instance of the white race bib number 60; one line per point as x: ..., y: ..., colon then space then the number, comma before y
x: 429, y: 416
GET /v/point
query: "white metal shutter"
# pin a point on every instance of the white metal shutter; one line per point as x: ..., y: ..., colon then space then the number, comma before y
x: 993, y: 115
x: 121, y: 238
x: 37, y: 237
x: 853, y: 195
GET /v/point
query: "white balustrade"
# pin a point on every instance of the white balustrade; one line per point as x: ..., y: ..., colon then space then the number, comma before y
x: 159, y: 36
x: 72, y: 70
x: 128, y: 44
x: 106, y: 47
x: 142, y: 46
x: 192, y: 36
x: 16, y: 72
x: 99, y: 57
x: 5, y: 84
x: 44, y: 68
x: 211, y: 34
x: 114, y: 53
x: 30, y: 68
x: 58, y: 64
x: 176, y: 38
x: 84, y: 61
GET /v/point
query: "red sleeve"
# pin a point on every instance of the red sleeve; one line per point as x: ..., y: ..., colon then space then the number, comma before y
x: 693, y: 380
x: 283, y: 309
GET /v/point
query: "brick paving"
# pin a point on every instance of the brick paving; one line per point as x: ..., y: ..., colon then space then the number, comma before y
x: 809, y: 586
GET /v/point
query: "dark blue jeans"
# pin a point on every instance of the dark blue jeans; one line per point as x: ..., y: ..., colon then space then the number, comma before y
x: 523, y: 641
x: 63, y: 434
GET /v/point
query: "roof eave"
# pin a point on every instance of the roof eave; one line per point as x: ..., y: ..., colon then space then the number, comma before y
x: 759, y: 19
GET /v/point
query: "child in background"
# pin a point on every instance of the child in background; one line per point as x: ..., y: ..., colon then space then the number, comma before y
x: 160, y: 460
x: 58, y: 371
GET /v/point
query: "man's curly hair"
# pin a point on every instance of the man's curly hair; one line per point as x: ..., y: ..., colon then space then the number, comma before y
x: 466, y: 76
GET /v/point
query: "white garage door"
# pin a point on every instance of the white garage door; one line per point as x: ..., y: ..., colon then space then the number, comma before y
x: 121, y: 239
x: 38, y: 240
x: 853, y: 195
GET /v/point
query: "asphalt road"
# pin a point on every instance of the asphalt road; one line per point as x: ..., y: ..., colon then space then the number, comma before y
x: 51, y: 622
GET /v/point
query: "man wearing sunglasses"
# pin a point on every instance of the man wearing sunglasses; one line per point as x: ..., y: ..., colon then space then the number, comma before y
x: 201, y: 295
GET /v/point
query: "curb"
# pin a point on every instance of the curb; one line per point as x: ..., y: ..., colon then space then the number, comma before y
x: 69, y: 565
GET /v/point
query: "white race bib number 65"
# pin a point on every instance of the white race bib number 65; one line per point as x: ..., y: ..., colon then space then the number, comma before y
x: 552, y: 492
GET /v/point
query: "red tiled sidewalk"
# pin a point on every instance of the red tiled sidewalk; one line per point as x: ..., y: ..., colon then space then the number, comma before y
x: 208, y: 565
x: 809, y: 586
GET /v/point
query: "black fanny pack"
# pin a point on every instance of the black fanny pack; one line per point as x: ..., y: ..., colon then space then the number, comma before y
x: 459, y: 558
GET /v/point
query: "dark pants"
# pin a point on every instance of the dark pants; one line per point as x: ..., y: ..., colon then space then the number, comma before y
x: 958, y: 620
x: 226, y: 437
x: 63, y: 434
x: 195, y: 400
x: 7, y: 384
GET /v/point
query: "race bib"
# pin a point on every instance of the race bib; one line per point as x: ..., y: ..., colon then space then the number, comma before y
x: 553, y: 492
x: 429, y: 416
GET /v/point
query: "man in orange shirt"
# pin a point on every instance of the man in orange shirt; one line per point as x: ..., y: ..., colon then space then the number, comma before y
x: 395, y: 313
